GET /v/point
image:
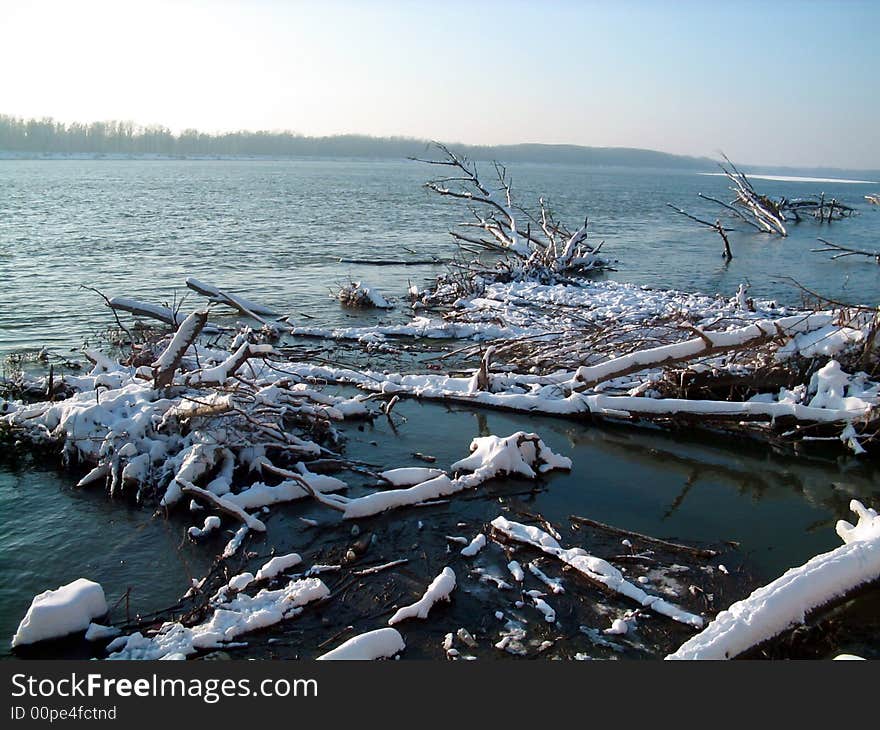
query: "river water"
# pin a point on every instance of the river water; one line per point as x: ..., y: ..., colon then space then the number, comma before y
x: 274, y: 231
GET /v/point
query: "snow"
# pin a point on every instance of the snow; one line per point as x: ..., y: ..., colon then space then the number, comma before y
x: 593, y: 568
x: 235, y: 543
x: 475, y: 545
x: 378, y: 644
x: 259, y: 494
x: 65, y: 610
x: 409, y: 475
x: 554, y: 584
x: 518, y: 453
x: 230, y: 619
x: 785, y: 602
x: 440, y: 590
x: 98, y: 632
x: 521, y: 453
x: 516, y: 571
x: 618, y: 626
x: 867, y: 527
x: 211, y: 523
x: 544, y: 608
x: 278, y: 565
x: 831, y: 386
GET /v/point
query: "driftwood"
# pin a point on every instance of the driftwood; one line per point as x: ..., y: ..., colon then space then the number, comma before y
x: 716, y: 226
x: 706, y: 344
x: 540, y: 243
x: 168, y: 362
x: 838, y: 252
x: 245, y: 306
x: 144, y: 309
x: 665, y: 544
x: 222, y: 505
x: 763, y: 213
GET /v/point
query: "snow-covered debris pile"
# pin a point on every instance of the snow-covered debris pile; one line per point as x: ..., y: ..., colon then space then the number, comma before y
x: 198, y: 421
x: 60, y: 612
x: 359, y: 294
x: 616, y: 351
x: 520, y: 453
x: 230, y: 619
x: 785, y: 602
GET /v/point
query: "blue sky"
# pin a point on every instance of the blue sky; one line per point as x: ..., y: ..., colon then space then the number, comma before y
x: 780, y: 83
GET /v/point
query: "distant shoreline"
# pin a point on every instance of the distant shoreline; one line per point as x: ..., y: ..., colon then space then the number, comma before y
x: 808, y: 175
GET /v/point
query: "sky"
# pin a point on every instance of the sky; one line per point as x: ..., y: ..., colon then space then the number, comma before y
x: 774, y: 83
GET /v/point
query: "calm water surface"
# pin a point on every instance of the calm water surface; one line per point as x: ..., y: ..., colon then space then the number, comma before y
x: 274, y: 231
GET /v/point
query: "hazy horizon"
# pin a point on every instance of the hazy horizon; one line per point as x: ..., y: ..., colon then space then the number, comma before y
x: 363, y: 145
x: 790, y: 85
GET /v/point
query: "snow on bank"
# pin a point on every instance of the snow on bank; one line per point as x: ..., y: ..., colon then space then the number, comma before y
x: 594, y: 569
x: 785, y: 602
x: 378, y: 644
x: 440, y: 590
x: 63, y: 611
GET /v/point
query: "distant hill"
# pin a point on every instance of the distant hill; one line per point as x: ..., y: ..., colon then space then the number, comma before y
x: 47, y: 138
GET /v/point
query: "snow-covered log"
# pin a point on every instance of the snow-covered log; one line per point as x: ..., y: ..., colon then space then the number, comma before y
x: 597, y: 571
x: 706, y: 344
x: 440, y: 590
x: 187, y: 333
x: 245, y: 306
x: 785, y: 602
x: 222, y: 504
x: 219, y: 374
x: 520, y: 453
x: 145, y: 309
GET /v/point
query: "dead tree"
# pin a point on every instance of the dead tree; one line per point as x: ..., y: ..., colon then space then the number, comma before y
x: 716, y: 226
x: 538, y: 239
x: 762, y: 212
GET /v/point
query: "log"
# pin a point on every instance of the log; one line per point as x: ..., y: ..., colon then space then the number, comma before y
x: 221, y: 297
x: 223, y: 505
x: 167, y: 363
x: 144, y: 309
x: 707, y: 344
x: 665, y: 544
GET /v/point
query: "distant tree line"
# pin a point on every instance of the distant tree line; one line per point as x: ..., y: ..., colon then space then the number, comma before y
x: 47, y: 136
